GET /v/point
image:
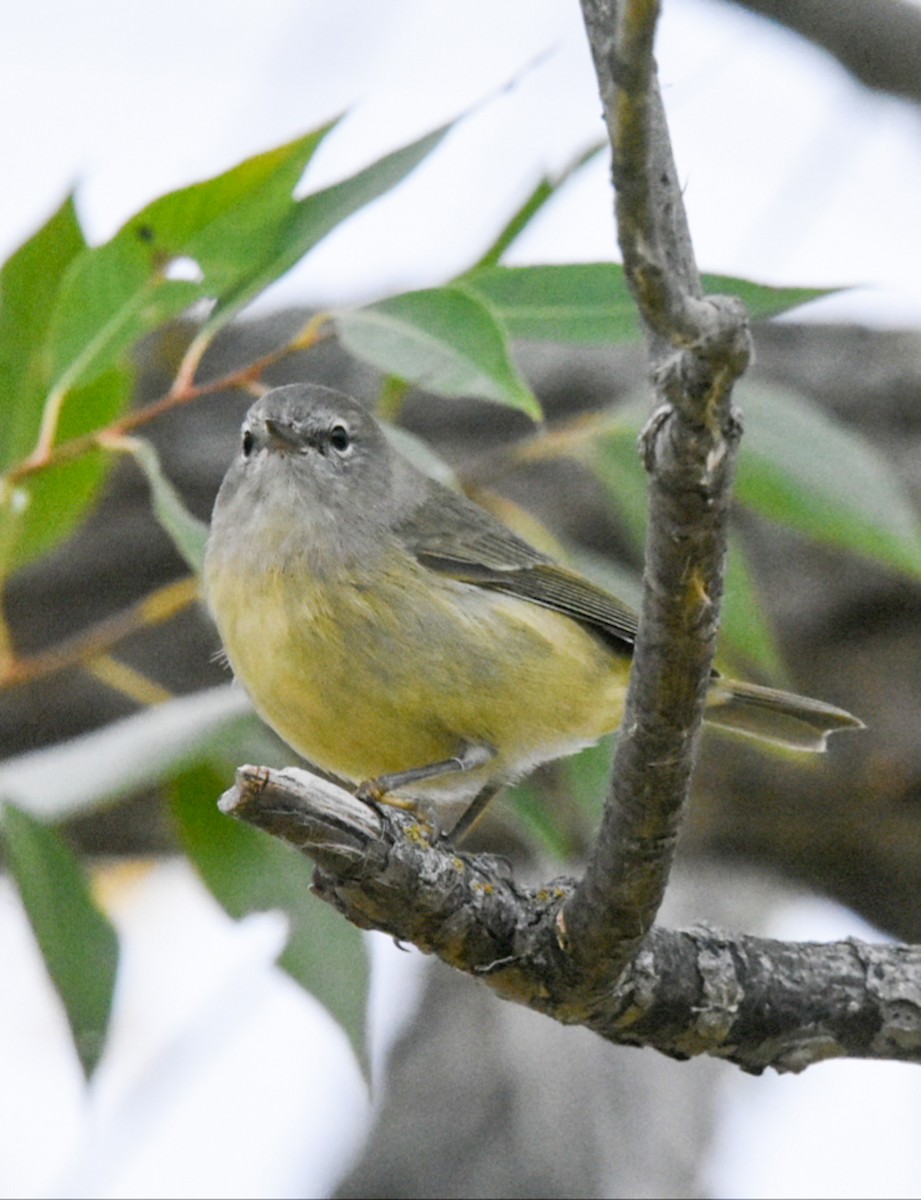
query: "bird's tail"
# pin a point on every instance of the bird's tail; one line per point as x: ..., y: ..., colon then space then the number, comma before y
x: 773, y: 716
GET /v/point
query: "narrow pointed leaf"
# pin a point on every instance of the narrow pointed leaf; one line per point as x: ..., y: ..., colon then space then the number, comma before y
x: 545, y: 190
x: 29, y: 284
x: 189, y: 535
x: 746, y: 638
x: 802, y: 468
x: 37, y: 512
x: 590, y: 303
x: 85, y: 773
x: 77, y: 941
x: 217, y: 231
x: 48, y: 506
x: 745, y: 635
x: 309, y: 221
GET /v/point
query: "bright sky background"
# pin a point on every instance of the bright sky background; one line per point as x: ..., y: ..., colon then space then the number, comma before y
x: 793, y: 174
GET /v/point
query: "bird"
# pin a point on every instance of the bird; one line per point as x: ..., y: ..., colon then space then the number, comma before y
x: 401, y: 638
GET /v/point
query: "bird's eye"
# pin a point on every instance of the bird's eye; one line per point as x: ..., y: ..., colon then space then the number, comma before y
x: 247, y: 443
x: 340, y: 439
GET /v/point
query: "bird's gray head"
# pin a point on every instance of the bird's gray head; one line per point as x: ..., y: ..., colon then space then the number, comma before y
x: 311, y: 459
x: 319, y: 433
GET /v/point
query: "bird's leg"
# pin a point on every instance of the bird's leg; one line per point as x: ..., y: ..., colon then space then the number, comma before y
x: 473, y: 755
x: 473, y: 812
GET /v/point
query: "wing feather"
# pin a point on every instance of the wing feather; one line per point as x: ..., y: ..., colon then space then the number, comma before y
x: 449, y: 534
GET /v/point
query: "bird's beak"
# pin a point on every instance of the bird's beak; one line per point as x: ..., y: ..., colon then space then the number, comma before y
x: 282, y: 435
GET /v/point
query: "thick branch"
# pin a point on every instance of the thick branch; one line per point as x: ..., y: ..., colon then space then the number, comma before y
x: 698, y: 349
x: 752, y: 1001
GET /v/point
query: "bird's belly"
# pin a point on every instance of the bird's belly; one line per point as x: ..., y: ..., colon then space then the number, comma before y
x: 363, y: 681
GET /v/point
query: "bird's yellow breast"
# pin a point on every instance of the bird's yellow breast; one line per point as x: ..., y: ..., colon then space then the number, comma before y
x: 367, y: 674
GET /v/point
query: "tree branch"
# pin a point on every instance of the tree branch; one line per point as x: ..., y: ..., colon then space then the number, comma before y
x: 698, y: 347
x: 752, y: 1001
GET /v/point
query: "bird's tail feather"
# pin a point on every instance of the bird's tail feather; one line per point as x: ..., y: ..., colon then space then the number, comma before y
x: 795, y: 722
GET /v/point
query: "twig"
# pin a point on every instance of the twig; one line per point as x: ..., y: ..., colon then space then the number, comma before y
x: 182, y: 392
x: 83, y: 648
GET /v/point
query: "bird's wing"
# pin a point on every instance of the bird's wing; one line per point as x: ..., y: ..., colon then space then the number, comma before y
x: 449, y: 534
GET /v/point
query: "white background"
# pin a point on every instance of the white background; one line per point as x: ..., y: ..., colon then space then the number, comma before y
x: 792, y: 174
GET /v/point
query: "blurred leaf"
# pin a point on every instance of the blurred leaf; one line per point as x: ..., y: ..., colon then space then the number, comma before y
x: 77, y: 941
x: 802, y: 468
x: 421, y: 454
x: 216, y: 232
x: 763, y: 301
x: 590, y: 303
x: 798, y: 466
x: 232, y: 234
x: 87, y: 772
x: 391, y: 396
x: 614, y: 458
x: 188, y: 533
x: 44, y: 508
x: 529, y: 802
x: 745, y: 636
x: 587, y: 774
x: 561, y: 805
x: 309, y: 220
x: 52, y: 502
x: 247, y: 870
x: 443, y: 340
x: 583, y: 303
x: 544, y: 191
x: 29, y: 283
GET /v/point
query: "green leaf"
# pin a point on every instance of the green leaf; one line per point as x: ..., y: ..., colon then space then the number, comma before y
x: 77, y: 941
x: 71, y: 312
x: 531, y: 807
x: 761, y: 300
x: 29, y: 283
x: 42, y: 509
x: 443, y: 340
x: 47, y: 506
x: 745, y: 636
x: 225, y: 226
x: 586, y: 303
x: 247, y: 870
x: 545, y: 190
x: 309, y: 220
x: 188, y: 533
x: 615, y: 460
x: 590, y: 303
x: 561, y: 805
x: 805, y: 470
x: 140, y: 751
x: 587, y: 774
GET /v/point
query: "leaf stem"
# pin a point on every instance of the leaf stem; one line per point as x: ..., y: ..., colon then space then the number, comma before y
x: 183, y: 391
x: 91, y: 644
